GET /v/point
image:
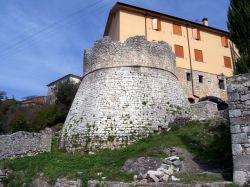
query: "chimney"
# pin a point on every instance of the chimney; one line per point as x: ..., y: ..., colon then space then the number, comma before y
x: 205, y: 21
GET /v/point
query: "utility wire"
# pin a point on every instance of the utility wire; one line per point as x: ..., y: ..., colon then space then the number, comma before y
x: 64, y: 19
x: 100, y: 10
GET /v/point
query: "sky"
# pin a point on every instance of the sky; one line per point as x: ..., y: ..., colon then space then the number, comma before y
x: 43, y: 40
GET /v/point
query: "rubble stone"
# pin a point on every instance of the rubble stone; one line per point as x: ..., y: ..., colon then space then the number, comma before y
x: 22, y: 143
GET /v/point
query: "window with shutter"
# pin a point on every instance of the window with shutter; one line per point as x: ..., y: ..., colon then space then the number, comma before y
x: 179, y: 52
x: 227, y: 62
x: 177, y: 29
x: 196, y: 34
x: 156, y: 24
x: 198, y: 55
x: 224, y: 41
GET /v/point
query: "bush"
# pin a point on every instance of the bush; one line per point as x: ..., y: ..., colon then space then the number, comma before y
x: 241, y: 66
x: 20, y: 125
x: 34, y: 118
x: 65, y: 95
x: 41, y: 117
x: 17, y: 122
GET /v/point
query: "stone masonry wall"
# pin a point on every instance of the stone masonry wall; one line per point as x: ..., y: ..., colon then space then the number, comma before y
x: 239, y: 113
x: 204, y: 110
x: 128, y: 92
x: 209, y: 87
x: 22, y: 143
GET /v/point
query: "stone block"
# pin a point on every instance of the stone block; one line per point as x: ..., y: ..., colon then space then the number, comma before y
x: 237, y: 149
x: 239, y: 138
x: 240, y: 120
x: 246, y: 129
x: 231, y: 105
x: 248, y: 151
x: 246, y: 113
x: 234, y: 113
x: 241, y: 162
x: 240, y: 177
x: 247, y: 102
x: 235, y: 129
x: 245, y: 97
x: 233, y: 97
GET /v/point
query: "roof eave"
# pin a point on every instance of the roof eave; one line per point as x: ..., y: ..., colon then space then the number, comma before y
x: 120, y: 5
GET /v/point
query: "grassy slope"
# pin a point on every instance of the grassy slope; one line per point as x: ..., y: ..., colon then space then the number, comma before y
x: 206, y: 141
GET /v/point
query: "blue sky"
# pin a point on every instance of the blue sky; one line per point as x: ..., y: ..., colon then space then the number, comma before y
x: 42, y: 40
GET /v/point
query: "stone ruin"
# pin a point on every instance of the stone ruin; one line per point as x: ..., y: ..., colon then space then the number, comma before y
x: 239, y: 113
x: 129, y: 91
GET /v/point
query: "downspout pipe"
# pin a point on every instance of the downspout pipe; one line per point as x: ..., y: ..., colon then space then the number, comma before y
x: 146, y: 33
x: 190, y: 62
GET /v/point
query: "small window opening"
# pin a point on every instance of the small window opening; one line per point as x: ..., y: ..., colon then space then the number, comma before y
x: 188, y: 76
x: 221, y: 84
x: 200, y: 79
x: 191, y: 100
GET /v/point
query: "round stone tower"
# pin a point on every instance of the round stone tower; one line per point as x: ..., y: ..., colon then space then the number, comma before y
x: 129, y: 90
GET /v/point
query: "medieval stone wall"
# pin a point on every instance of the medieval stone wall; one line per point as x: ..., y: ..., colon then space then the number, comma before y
x: 209, y: 86
x: 22, y: 143
x: 204, y: 110
x: 239, y: 113
x: 128, y: 92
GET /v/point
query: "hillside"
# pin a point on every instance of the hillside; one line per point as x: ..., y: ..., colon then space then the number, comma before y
x: 208, y: 141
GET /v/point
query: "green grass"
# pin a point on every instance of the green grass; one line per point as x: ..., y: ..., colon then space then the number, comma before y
x: 201, y: 177
x: 232, y: 185
x: 202, y: 139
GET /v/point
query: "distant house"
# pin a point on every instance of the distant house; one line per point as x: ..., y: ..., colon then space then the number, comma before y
x: 34, y: 100
x: 52, y: 87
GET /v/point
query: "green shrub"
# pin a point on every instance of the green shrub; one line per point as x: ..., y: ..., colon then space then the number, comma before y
x: 65, y: 95
x: 42, y: 117
x: 241, y: 66
x: 20, y: 125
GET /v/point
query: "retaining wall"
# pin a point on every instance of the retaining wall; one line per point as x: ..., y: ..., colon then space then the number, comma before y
x: 22, y: 143
x: 239, y: 114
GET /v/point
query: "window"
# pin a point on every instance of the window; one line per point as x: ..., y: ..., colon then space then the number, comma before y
x: 200, y: 79
x: 179, y: 51
x: 224, y: 41
x: 221, y: 84
x: 196, y: 34
x: 191, y: 100
x: 177, y: 29
x: 156, y: 24
x: 227, y: 62
x: 198, y: 55
x: 188, y: 76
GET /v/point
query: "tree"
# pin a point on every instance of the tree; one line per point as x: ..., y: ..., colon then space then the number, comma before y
x: 2, y: 95
x: 64, y: 97
x: 239, y: 29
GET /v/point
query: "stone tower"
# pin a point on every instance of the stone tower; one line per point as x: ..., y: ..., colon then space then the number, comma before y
x: 129, y: 90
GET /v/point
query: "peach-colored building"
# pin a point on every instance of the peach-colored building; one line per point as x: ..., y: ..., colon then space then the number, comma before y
x: 203, y: 53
